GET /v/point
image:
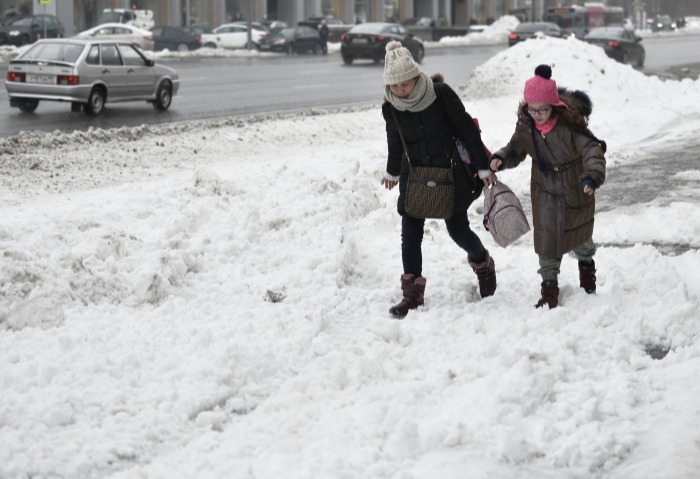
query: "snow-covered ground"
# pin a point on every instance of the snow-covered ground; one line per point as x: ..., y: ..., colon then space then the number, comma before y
x: 209, y: 300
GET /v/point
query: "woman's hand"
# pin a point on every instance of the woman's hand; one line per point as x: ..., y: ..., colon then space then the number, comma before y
x: 389, y: 184
x: 588, y: 190
x: 495, y: 164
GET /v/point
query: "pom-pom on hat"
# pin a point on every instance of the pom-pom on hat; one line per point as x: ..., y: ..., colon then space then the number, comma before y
x: 541, y: 88
x: 399, y: 65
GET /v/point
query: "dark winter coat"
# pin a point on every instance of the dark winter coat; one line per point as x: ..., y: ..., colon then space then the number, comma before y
x: 562, y: 214
x: 429, y: 138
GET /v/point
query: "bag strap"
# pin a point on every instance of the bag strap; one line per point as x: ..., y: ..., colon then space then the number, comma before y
x: 398, y: 127
x: 587, y: 132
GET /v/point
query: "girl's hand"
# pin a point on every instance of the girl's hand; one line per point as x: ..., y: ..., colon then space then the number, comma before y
x: 489, y: 180
x: 389, y: 184
x: 495, y: 164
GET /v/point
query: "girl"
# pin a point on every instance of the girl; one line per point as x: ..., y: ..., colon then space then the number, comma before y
x: 568, y: 166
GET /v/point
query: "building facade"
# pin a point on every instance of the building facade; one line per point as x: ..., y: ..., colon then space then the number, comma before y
x: 78, y: 15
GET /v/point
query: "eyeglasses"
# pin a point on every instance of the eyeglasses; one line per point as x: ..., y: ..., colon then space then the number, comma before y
x: 539, y: 111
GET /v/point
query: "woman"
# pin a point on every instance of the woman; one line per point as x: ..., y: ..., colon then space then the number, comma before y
x: 430, y: 115
x: 568, y: 166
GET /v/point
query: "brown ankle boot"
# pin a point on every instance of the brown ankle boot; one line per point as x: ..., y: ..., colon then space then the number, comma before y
x: 486, y: 274
x: 550, y: 295
x: 586, y: 276
x: 413, y: 290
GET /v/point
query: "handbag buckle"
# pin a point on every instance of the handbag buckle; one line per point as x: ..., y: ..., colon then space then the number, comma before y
x: 431, y: 184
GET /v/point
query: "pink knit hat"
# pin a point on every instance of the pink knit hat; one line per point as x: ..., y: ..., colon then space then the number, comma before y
x: 542, y: 89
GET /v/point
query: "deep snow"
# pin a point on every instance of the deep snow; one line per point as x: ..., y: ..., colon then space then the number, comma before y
x: 210, y: 300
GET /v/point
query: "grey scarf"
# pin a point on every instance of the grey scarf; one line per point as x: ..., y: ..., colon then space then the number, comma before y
x: 420, y: 98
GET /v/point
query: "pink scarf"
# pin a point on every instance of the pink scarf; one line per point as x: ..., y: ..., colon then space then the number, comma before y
x: 547, y: 126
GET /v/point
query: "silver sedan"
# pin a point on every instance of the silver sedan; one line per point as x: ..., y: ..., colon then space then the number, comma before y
x: 88, y: 73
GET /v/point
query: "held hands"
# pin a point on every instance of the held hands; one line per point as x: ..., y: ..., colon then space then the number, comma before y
x: 389, y: 184
x: 495, y: 164
x: 490, y: 180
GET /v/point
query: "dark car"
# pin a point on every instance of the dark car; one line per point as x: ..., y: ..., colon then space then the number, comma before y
x: 204, y: 34
x: 292, y: 40
x: 527, y: 30
x: 619, y: 43
x: 28, y: 29
x: 368, y: 41
x: 175, y: 39
x: 662, y: 22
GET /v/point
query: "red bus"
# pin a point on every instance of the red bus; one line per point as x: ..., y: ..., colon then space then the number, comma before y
x: 576, y: 20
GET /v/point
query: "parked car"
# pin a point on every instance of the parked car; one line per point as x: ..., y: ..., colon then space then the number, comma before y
x: 368, y: 41
x: 27, y: 29
x: 205, y: 35
x: 120, y: 32
x: 235, y: 35
x: 255, y: 25
x: 421, y: 22
x: 662, y: 22
x: 139, y: 18
x: 619, y: 43
x: 527, y: 30
x: 175, y: 39
x: 292, y: 40
x: 88, y: 73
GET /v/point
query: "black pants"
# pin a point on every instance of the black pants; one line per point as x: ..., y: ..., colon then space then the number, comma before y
x: 457, y: 227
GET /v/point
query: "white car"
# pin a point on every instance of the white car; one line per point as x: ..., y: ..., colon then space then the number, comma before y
x: 207, y: 37
x: 120, y: 32
x: 235, y: 35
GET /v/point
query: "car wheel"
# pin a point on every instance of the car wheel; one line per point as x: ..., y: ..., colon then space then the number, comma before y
x: 290, y: 50
x: 251, y: 46
x: 182, y: 47
x: 347, y: 59
x: 419, y: 55
x: 23, y: 40
x: 210, y: 45
x: 314, y: 49
x: 96, y: 102
x: 164, y: 96
x: 28, y: 106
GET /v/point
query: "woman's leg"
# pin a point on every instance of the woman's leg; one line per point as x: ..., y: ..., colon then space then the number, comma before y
x: 477, y: 256
x: 461, y: 233
x: 411, y: 240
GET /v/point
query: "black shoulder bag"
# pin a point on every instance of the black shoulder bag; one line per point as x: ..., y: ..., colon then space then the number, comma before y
x: 430, y: 192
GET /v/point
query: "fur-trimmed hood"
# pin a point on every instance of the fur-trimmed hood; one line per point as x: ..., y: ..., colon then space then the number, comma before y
x: 576, y: 100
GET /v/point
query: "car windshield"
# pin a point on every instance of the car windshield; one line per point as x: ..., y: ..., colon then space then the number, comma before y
x: 21, y: 22
x: 604, y: 33
x: 368, y: 28
x: 285, y: 32
x: 533, y: 27
x: 57, y: 52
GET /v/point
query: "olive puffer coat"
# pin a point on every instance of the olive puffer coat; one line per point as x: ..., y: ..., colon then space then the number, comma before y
x: 429, y: 139
x: 562, y: 214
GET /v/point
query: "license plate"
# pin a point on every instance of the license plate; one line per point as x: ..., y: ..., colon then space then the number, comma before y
x: 359, y: 40
x: 46, y: 79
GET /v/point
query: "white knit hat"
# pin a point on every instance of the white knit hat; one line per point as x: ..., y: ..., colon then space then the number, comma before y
x: 399, y: 65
